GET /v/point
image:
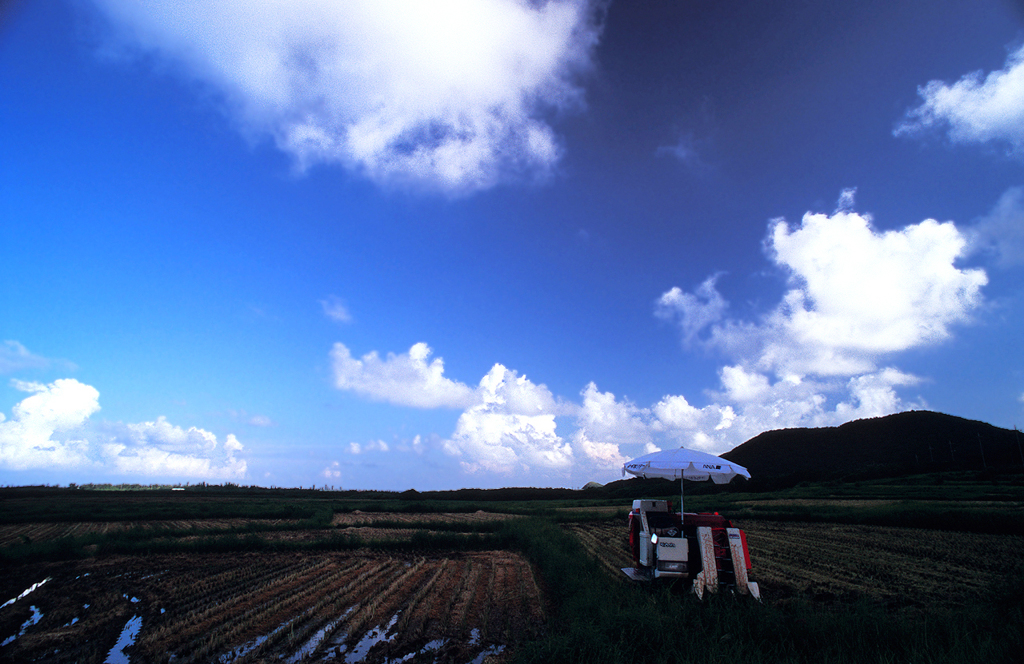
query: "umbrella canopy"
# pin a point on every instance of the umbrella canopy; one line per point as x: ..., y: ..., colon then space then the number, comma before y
x: 683, y: 464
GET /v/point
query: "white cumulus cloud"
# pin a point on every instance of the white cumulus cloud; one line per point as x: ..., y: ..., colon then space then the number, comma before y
x: 686, y: 425
x: 604, y: 456
x: 511, y: 428
x: 507, y: 425
x: 977, y: 108
x: 857, y: 295
x: 794, y: 401
x: 41, y: 430
x: 52, y: 430
x: 494, y: 441
x: 406, y: 380
x: 450, y: 95
x: 602, y: 418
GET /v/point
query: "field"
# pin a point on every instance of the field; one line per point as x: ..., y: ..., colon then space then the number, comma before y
x: 307, y: 577
x: 344, y: 606
x: 45, y: 532
x: 898, y: 566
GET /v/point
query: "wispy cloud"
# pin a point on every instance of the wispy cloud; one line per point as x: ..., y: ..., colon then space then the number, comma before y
x: 975, y: 109
x: 688, y: 151
x: 15, y: 357
x: 692, y: 311
x: 449, y: 96
x: 52, y: 429
x: 254, y: 420
x: 372, y: 446
x: 261, y: 421
x: 1000, y: 234
x: 335, y: 309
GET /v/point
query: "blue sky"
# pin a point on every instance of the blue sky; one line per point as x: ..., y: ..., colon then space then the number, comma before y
x: 496, y: 243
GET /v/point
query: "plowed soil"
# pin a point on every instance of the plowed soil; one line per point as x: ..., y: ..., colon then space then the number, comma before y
x: 345, y: 606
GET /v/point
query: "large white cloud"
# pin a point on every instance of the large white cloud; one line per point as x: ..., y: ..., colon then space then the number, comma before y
x: 41, y: 430
x: 860, y: 294
x: 449, y: 95
x: 160, y: 448
x: 977, y: 108
x: 607, y: 429
x: 605, y: 418
x: 406, y: 380
x: 52, y: 430
x: 856, y: 296
x: 511, y: 429
x: 686, y: 425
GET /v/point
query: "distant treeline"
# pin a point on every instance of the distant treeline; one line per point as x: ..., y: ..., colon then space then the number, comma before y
x: 615, y: 489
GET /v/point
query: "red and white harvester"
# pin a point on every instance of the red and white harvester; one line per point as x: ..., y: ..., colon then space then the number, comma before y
x: 703, y: 549
x: 700, y: 548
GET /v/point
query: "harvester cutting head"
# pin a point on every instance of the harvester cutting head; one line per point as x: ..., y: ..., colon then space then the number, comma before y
x: 703, y: 549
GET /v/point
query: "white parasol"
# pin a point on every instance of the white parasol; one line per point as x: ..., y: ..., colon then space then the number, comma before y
x: 683, y: 464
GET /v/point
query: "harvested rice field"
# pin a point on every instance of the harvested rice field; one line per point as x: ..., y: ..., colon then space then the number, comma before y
x: 341, y: 606
x: 18, y: 533
x: 358, y: 518
x: 903, y: 566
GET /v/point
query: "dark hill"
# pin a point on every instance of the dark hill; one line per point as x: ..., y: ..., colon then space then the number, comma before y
x: 911, y: 442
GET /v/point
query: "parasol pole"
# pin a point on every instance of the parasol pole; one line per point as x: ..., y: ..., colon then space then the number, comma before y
x: 681, y: 517
x: 681, y: 512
